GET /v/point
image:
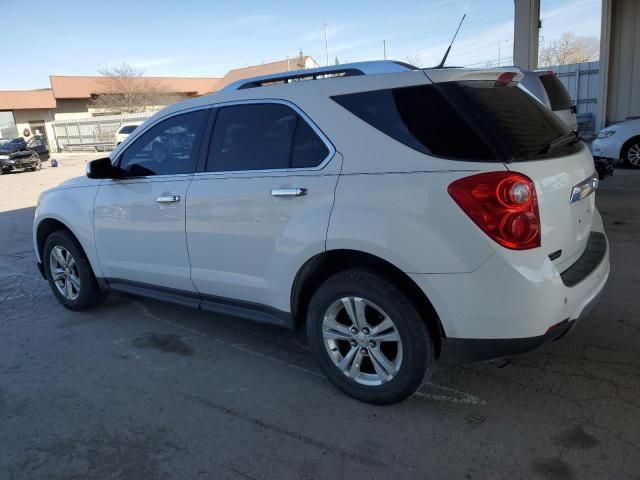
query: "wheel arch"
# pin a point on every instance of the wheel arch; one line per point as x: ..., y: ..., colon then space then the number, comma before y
x: 322, y: 266
x: 46, y: 227
x: 627, y: 144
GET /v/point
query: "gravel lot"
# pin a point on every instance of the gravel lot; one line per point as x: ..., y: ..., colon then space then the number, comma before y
x: 140, y: 390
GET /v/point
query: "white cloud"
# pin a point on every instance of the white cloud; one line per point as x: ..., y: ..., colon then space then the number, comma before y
x: 581, y: 17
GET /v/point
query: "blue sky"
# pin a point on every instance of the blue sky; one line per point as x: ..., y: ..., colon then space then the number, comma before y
x: 207, y: 38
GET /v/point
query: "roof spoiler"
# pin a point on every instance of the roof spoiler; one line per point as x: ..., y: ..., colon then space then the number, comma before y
x: 513, y: 74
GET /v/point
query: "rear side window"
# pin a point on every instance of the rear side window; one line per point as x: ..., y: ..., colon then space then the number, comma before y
x: 559, y: 98
x: 421, y: 118
x: 472, y: 121
x: 267, y: 136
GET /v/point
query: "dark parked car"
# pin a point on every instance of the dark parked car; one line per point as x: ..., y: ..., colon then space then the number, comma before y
x: 38, y: 145
x: 16, y: 155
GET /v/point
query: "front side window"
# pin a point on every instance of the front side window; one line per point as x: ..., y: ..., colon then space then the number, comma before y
x: 266, y: 136
x: 168, y: 148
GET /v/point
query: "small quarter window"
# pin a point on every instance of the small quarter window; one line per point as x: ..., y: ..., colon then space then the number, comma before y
x: 309, y: 150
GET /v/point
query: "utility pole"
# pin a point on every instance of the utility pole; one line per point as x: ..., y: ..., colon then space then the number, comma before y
x: 326, y: 43
x: 500, y: 56
x: 384, y: 48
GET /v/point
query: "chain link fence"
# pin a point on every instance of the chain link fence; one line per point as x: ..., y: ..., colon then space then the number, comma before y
x: 92, y: 134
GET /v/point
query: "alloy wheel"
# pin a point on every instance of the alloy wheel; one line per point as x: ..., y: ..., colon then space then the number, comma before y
x: 362, y: 341
x: 633, y: 155
x: 64, y: 272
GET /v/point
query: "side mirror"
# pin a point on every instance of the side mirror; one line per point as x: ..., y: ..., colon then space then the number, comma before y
x: 103, y: 168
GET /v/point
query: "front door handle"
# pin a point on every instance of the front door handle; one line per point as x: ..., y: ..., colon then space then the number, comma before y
x: 289, y: 192
x: 168, y: 199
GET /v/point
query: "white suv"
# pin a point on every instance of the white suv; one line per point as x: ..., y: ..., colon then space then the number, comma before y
x: 401, y: 215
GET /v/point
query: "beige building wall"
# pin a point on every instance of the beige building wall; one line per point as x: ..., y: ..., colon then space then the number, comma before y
x: 26, y: 119
x: 72, y: 108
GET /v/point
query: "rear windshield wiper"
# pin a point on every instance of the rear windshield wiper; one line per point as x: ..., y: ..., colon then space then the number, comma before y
x: 568, y: 138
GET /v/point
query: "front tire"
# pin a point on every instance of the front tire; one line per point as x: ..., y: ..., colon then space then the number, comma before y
x: 69, y: 273
x: 368, y: 337
x: 631, y: 154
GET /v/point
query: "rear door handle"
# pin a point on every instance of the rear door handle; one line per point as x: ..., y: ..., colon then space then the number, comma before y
x: 168, y: 199
x: 289, y: 192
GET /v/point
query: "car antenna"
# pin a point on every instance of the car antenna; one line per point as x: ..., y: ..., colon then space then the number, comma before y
x: 446, y: 54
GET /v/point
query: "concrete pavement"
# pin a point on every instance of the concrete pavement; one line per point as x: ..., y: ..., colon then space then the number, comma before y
x: 136, y: 389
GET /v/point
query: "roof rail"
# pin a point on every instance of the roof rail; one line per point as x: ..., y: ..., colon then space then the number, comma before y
x: 344, y: 70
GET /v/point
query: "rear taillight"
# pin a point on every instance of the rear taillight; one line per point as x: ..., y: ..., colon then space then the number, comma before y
x: 503, y: 204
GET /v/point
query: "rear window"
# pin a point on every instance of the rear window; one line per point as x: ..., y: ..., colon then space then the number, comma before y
x: 559, y: 98
x: 472, y: 121
x: 128, y: 128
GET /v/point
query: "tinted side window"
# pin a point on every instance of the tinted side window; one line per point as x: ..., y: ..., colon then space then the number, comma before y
x: 252, y: 137
x: 127, y: 129
x: 168, y: 148
x: 421, y: 118
x: 308, y: 149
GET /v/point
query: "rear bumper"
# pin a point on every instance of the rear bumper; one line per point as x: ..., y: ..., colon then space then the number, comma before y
x: 469, y: 350
x: 504, y: 308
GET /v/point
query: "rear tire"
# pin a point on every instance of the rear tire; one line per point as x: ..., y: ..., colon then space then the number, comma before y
x: 69, y: 273
x: 368, y: 337
x: 631, y: 154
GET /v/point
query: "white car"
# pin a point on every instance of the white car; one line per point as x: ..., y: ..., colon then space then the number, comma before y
x: 124, y: 131
x: 547, y: 87
x: 401, y: 216
x: 620, y: 141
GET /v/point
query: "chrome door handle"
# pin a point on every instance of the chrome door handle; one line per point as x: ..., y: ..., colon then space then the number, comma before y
x: 168, y: 199
x: 289, y: 192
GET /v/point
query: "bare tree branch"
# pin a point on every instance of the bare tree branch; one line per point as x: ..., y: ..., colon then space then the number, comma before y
x: 125, y: 90
x: 569, y: 49
x: 301, y: 62
x: 414, y: 60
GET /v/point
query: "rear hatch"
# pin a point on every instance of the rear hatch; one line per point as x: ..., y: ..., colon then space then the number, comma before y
x: 531, y: 140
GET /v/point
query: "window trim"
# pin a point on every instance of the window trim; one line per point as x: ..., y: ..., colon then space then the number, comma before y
x: 203, y: 153
x: 298, y: 110
x: 138, y: 132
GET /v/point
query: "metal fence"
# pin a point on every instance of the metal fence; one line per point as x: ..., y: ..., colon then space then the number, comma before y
x: 94, y: 133
x: 583, y: 83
